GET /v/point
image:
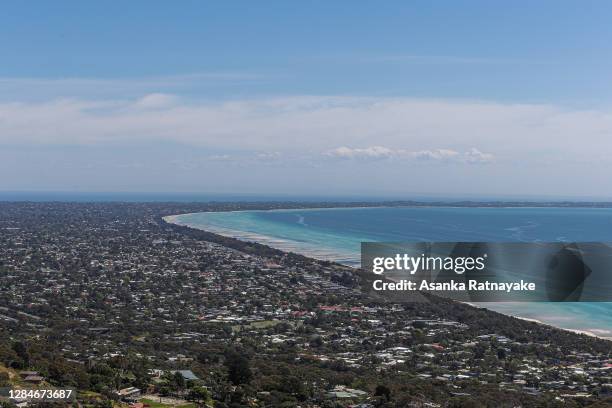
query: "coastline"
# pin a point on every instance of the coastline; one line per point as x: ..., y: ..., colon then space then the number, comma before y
x: 586, y: 332
x: 310, y: 251
x: 326, y: 255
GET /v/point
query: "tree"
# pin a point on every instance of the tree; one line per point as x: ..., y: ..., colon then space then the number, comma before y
x: 316, y: 341
x: 383, y: 391
x: 199, y: 394
x: 22, y: 352
x: 4, y: 379
x: 178, y: 380
x: 239, y: 370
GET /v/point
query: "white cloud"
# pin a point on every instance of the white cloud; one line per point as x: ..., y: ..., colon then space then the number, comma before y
x: 220, y: 157
x: 268, y: 155
x: 373, y: 152
x: 379, y: 152
x: 40, y: 88
x: 419, y: 129
x: 156, y: 101
x: 448, y: 60
x: 476, y: 156
x: 437, y: 154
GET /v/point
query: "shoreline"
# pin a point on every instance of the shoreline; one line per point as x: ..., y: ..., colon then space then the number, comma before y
x: 245, y: 236
x: 586, y: 332
x: 315, y: 253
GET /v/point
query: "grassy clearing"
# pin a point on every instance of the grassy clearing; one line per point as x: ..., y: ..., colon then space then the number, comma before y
x: 157, y: 404
x: 264, y: 324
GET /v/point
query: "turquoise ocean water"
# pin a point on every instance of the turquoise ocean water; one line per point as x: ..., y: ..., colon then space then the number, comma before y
x: 336, y: 234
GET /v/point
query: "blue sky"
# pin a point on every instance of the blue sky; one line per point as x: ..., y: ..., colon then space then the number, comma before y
x: 472, y: 97
x: 527, y: 51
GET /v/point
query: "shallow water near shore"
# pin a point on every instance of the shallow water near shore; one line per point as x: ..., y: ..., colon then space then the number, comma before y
x: 336, y: 234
